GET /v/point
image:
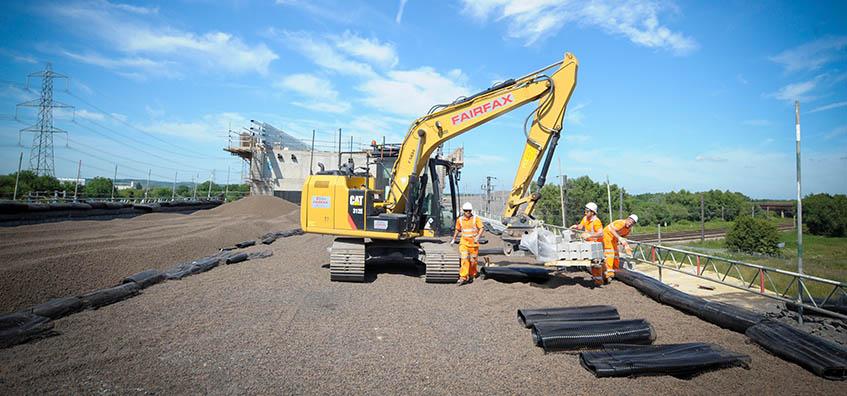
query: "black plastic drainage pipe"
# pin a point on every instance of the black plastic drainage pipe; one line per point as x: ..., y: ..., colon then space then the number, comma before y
x: 529, y: 317
x: 579, y: 335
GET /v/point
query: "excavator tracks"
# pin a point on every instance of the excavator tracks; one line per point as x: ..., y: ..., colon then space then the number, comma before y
x: 442, y: 262
x: 347, y: 260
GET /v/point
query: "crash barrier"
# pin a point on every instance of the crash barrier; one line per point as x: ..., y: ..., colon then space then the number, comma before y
x: 810, y: 351
x: 36, y: 322
x: 822, y: 357
x: 557, y: 335
x: 516, y: 274
x: 529, y: 317
x: 678, y: 360
x: 752, y: 278
x: 271, y: 237
x: 14, y: 213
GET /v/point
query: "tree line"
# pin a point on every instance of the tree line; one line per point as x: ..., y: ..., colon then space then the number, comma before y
x: 30, y: 184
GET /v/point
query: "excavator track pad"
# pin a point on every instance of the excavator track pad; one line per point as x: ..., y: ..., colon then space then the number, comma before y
x: 442, y: 262
x: 347, y: 260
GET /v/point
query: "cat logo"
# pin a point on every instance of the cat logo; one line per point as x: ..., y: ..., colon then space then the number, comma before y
x: 356, y: 200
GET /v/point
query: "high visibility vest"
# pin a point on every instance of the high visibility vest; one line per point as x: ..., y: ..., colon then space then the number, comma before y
x: 620, y: 228
x: 593, y: 226
x: 469, y: 228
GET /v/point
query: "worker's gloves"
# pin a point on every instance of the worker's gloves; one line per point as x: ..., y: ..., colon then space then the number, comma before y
x: 584, y: 235
x: 453, y: 241
x: 628, y: 250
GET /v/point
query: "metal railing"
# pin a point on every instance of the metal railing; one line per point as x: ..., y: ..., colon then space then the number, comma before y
x: 758, y: 280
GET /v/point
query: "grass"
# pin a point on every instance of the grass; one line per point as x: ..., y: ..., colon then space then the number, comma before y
x: 822, y: 257
x: 683, y: 225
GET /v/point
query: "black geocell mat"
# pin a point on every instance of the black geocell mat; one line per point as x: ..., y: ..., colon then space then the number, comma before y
x: 553, y: 336
x: 678, y: 360
x: 822, y: 357
x: 528, y: 317
x: 516, y: 274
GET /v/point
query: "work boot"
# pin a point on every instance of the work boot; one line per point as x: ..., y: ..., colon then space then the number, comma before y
x: 461, y: 282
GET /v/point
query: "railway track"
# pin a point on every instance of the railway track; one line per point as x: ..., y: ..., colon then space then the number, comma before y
x: 686, y: 236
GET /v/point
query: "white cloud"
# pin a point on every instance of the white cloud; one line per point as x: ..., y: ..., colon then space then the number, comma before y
x: 324, y: 97
x: 637, y: 20
x: 369, y: 50
x: 129, y: 8
x: 710, y: 158
x: 575, y: 115
x: 741, y: 79
x: 400, y: 8
x: 90, y: 115
x: 323, y: 54
x: 146, y: 65
x: 757, y: 123
x: 796, y: 91
x: 830, y: 106
x: 119, y: 116
x: 837, y: 132
x: 812, y: 55
x: 209, y: 127
x: 114, y: 24
x: 413, y: 92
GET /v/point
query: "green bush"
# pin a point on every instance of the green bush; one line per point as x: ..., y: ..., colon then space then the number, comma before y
x: 825, y: 214
x: 753, y: 235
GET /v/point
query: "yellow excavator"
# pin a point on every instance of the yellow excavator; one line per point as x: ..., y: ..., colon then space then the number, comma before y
x: 374, y: 224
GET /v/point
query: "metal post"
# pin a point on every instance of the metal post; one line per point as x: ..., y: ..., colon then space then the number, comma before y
x: 565, y: 202
x: 18, y: 176
x: 562, y: 193
x: 609, y: 195
x: 147, y: 186
x: 799, y: 217
x: 339, y: 148
x: 193, y: 183
x: 351, y: 146
x: 76, y: 186
x: 660, y: 233
x: 114, y: 180
x: 702, y: 220
x: 312, y: 153
x: 173, y: 189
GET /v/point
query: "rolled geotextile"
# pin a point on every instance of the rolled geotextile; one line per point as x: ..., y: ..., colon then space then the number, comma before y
x: 528, y: 317
x: 58, y: 307
x: 242, y: 245
x: 20, y: 327
x: 12, y: 207
x: 206, y: 263
x: 579, y: 335
x: 516, y: 274
x: 103, y: 297
x: 678, y: 360
x: 822, y: 357
x: 180, y: 271
x: 236, y: 258
x: 145, y: 279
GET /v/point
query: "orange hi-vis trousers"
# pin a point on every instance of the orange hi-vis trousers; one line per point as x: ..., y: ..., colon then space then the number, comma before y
x: 612, y: 254
x: 470, y: 257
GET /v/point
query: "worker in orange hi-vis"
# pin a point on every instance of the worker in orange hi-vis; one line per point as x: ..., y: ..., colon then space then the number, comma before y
x: 592, y: 231
x: 471, y: 229
x: 614, y: 234
x: 590, y: 224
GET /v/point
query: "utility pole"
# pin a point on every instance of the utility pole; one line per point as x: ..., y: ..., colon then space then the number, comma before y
x: 562, y: 193
x: 799, y: 216
x: 18, y: 176
x: 193, y: 183
x: 488, y: 187
x: 211, y: 176
x: 173, y: 188
x: 609, y: 196
x: 226, y: 189
x: 339, y: 148
x: 114, y: 180
x: 76, y: 185
x: 41, y: 154
x: 312, y: 153
x: 702, y: 220
x: 147, y: 186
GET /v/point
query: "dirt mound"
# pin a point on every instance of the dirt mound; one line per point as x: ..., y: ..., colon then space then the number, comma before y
x: 260, y: 206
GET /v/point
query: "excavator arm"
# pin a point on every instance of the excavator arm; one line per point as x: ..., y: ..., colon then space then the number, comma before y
x: 449, y: 121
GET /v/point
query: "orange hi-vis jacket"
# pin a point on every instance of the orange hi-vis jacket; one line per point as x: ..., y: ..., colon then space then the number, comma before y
x: 469, y: 227
x: 593, y: 226
x: 610, y: 240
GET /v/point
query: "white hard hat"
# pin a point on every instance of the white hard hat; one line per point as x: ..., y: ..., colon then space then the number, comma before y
x: 634, y: 217
x: 467, y: 206
x: 591, y: 206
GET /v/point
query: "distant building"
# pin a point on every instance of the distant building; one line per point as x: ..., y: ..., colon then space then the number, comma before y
x: 128, y: 186
x: 71, y: 180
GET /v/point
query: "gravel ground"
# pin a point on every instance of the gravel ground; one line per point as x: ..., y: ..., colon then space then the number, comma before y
x: 278, y: 325
x: 43, y: 261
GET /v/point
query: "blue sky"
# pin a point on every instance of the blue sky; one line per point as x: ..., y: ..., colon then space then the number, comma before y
x: 671, y: 95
